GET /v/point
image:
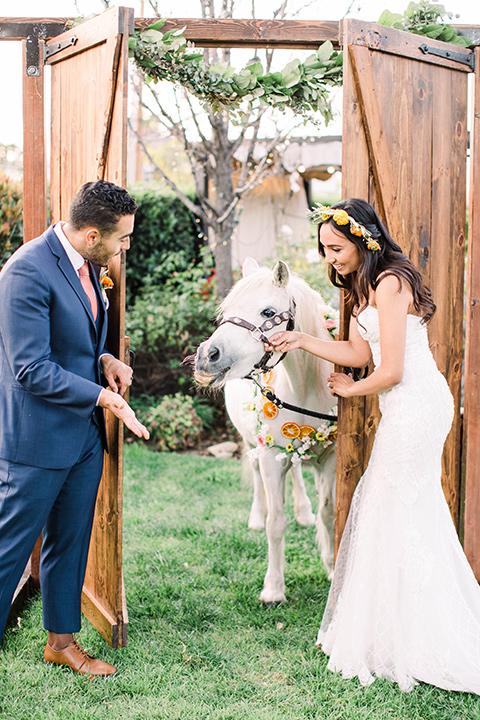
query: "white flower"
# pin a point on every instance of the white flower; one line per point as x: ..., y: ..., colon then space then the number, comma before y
x: 280, y: 457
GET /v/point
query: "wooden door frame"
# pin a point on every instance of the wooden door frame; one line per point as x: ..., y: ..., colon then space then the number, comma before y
x: 239, y: 33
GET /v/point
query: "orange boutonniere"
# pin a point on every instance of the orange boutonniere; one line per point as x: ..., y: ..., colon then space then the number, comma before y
x: 105, y: 282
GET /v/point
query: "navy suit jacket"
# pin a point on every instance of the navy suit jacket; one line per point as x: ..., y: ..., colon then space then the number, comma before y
x: 49, y: 357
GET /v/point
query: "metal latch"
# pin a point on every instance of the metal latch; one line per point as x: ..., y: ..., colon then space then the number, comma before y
x: 450, y: 55
x: 50, y: 50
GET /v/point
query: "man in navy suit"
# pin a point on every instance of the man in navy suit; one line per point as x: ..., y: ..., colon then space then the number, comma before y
x: 53, y: 326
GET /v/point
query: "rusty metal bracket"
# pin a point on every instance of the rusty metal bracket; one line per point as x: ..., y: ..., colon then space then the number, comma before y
x: 450, y: 55
x: 32, y: 55
x: 50, y: 50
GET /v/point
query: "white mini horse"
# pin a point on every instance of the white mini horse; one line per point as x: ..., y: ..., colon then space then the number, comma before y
x: 277, y: 438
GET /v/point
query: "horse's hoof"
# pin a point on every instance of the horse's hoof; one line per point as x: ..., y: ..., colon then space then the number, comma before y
x: 256, y: 524
x: 305, y: 519
x: 270, y: 598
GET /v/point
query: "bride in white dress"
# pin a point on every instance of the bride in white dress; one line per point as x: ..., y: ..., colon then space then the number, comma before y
x: 404, y: 603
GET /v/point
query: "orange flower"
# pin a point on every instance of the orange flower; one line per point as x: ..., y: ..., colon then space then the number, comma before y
x: 106, y: 283
x: 341, y: 217
x: 355, y: 230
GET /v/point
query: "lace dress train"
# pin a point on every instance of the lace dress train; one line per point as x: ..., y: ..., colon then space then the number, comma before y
x: 404, y: 603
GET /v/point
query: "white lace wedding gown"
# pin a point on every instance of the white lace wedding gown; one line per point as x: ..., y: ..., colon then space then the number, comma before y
x: 404, y: 603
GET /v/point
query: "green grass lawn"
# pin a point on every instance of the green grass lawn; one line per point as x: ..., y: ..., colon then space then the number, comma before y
x: 201, y: 645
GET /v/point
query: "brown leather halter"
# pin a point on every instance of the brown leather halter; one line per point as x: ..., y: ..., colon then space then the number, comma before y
x: 258, y: 333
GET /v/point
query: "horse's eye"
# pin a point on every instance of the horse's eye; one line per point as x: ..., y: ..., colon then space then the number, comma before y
x: 268, y: 313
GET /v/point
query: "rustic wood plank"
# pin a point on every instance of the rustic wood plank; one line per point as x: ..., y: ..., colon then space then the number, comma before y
x: 34, y: 166
x: 17, y: 28
x: 101, y: 619
x: 472, y: 346
x: 351, y: 412
x: 106, y: 547
x: 448, y: 184
x: 404, y: 44
x: 55, y: 152
x: 207, y: 32
x: 376, y: 140
x: 89, y: 34
x: 114, y: 46
x: 234, y: 33
x: 420, y: 159
x: 459, y: 101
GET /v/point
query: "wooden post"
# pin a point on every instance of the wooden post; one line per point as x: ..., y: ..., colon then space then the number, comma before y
x: 471, y: 418
x: 34, y: 174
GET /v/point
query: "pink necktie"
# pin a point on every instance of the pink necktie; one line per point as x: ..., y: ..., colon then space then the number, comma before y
x: 84, y: 274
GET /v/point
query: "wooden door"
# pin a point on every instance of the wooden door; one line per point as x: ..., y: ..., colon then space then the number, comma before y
x: 471, y: 421
x: 404, y: 150
x: 89, y: 142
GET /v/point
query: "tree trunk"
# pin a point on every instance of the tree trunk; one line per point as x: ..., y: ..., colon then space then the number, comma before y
x: 222, y: 251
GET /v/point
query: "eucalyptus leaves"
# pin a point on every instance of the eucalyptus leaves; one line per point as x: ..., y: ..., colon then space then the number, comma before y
x: 302, y: 87
x: 424, y: 18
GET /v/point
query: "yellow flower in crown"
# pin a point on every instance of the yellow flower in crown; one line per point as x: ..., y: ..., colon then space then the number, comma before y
x: 341, y: 217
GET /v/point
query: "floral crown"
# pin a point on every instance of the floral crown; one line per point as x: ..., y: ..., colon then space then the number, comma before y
x: 341, y: 217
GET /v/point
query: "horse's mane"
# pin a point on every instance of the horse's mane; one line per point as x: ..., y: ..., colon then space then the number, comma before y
x: 310, y: 306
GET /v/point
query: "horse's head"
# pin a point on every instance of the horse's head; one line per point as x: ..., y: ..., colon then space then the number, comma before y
x: 261, y: 296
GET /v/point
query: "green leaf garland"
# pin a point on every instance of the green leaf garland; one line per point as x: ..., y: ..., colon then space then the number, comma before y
x: 301, y: 87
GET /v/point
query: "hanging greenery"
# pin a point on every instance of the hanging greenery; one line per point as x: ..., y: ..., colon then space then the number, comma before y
x: 425, y: 18
x: 301, y: 86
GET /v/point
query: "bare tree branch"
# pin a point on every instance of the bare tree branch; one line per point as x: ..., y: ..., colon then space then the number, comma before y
x: 207, y: 144
x: 281, y: 11
x: 154, y: 6
x: 195, y: 209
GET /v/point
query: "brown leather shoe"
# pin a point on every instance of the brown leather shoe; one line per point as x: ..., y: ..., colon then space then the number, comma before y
x: 76, y: 658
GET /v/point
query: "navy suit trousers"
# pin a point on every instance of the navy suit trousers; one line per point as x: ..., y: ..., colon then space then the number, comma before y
x: 61, y: 502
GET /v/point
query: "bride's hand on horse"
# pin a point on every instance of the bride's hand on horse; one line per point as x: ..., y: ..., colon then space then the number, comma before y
x: 340, y: 384
x: 284, y: 341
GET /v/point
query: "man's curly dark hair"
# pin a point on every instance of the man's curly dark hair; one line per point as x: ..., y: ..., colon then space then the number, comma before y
x: 100, y: 204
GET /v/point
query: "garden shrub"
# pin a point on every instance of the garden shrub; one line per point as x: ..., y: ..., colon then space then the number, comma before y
x: 173, y: 421
x: 165, y: 238
x: 169, y: 319
x: 11, y: 220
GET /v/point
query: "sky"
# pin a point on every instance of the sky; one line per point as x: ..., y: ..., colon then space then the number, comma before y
x: 10, y: 52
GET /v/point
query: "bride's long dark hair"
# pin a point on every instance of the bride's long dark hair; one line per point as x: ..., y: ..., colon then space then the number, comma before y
x: 388, y: 260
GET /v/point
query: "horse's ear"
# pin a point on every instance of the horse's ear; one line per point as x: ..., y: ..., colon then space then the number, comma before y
x: 249, y: 266
x: 281, y: 274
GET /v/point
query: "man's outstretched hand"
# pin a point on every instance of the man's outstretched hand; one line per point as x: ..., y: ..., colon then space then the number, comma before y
x: 119, y: 407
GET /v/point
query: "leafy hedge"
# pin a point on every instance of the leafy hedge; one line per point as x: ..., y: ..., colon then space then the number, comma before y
x: 165, y: 239
x: 11, y: 220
